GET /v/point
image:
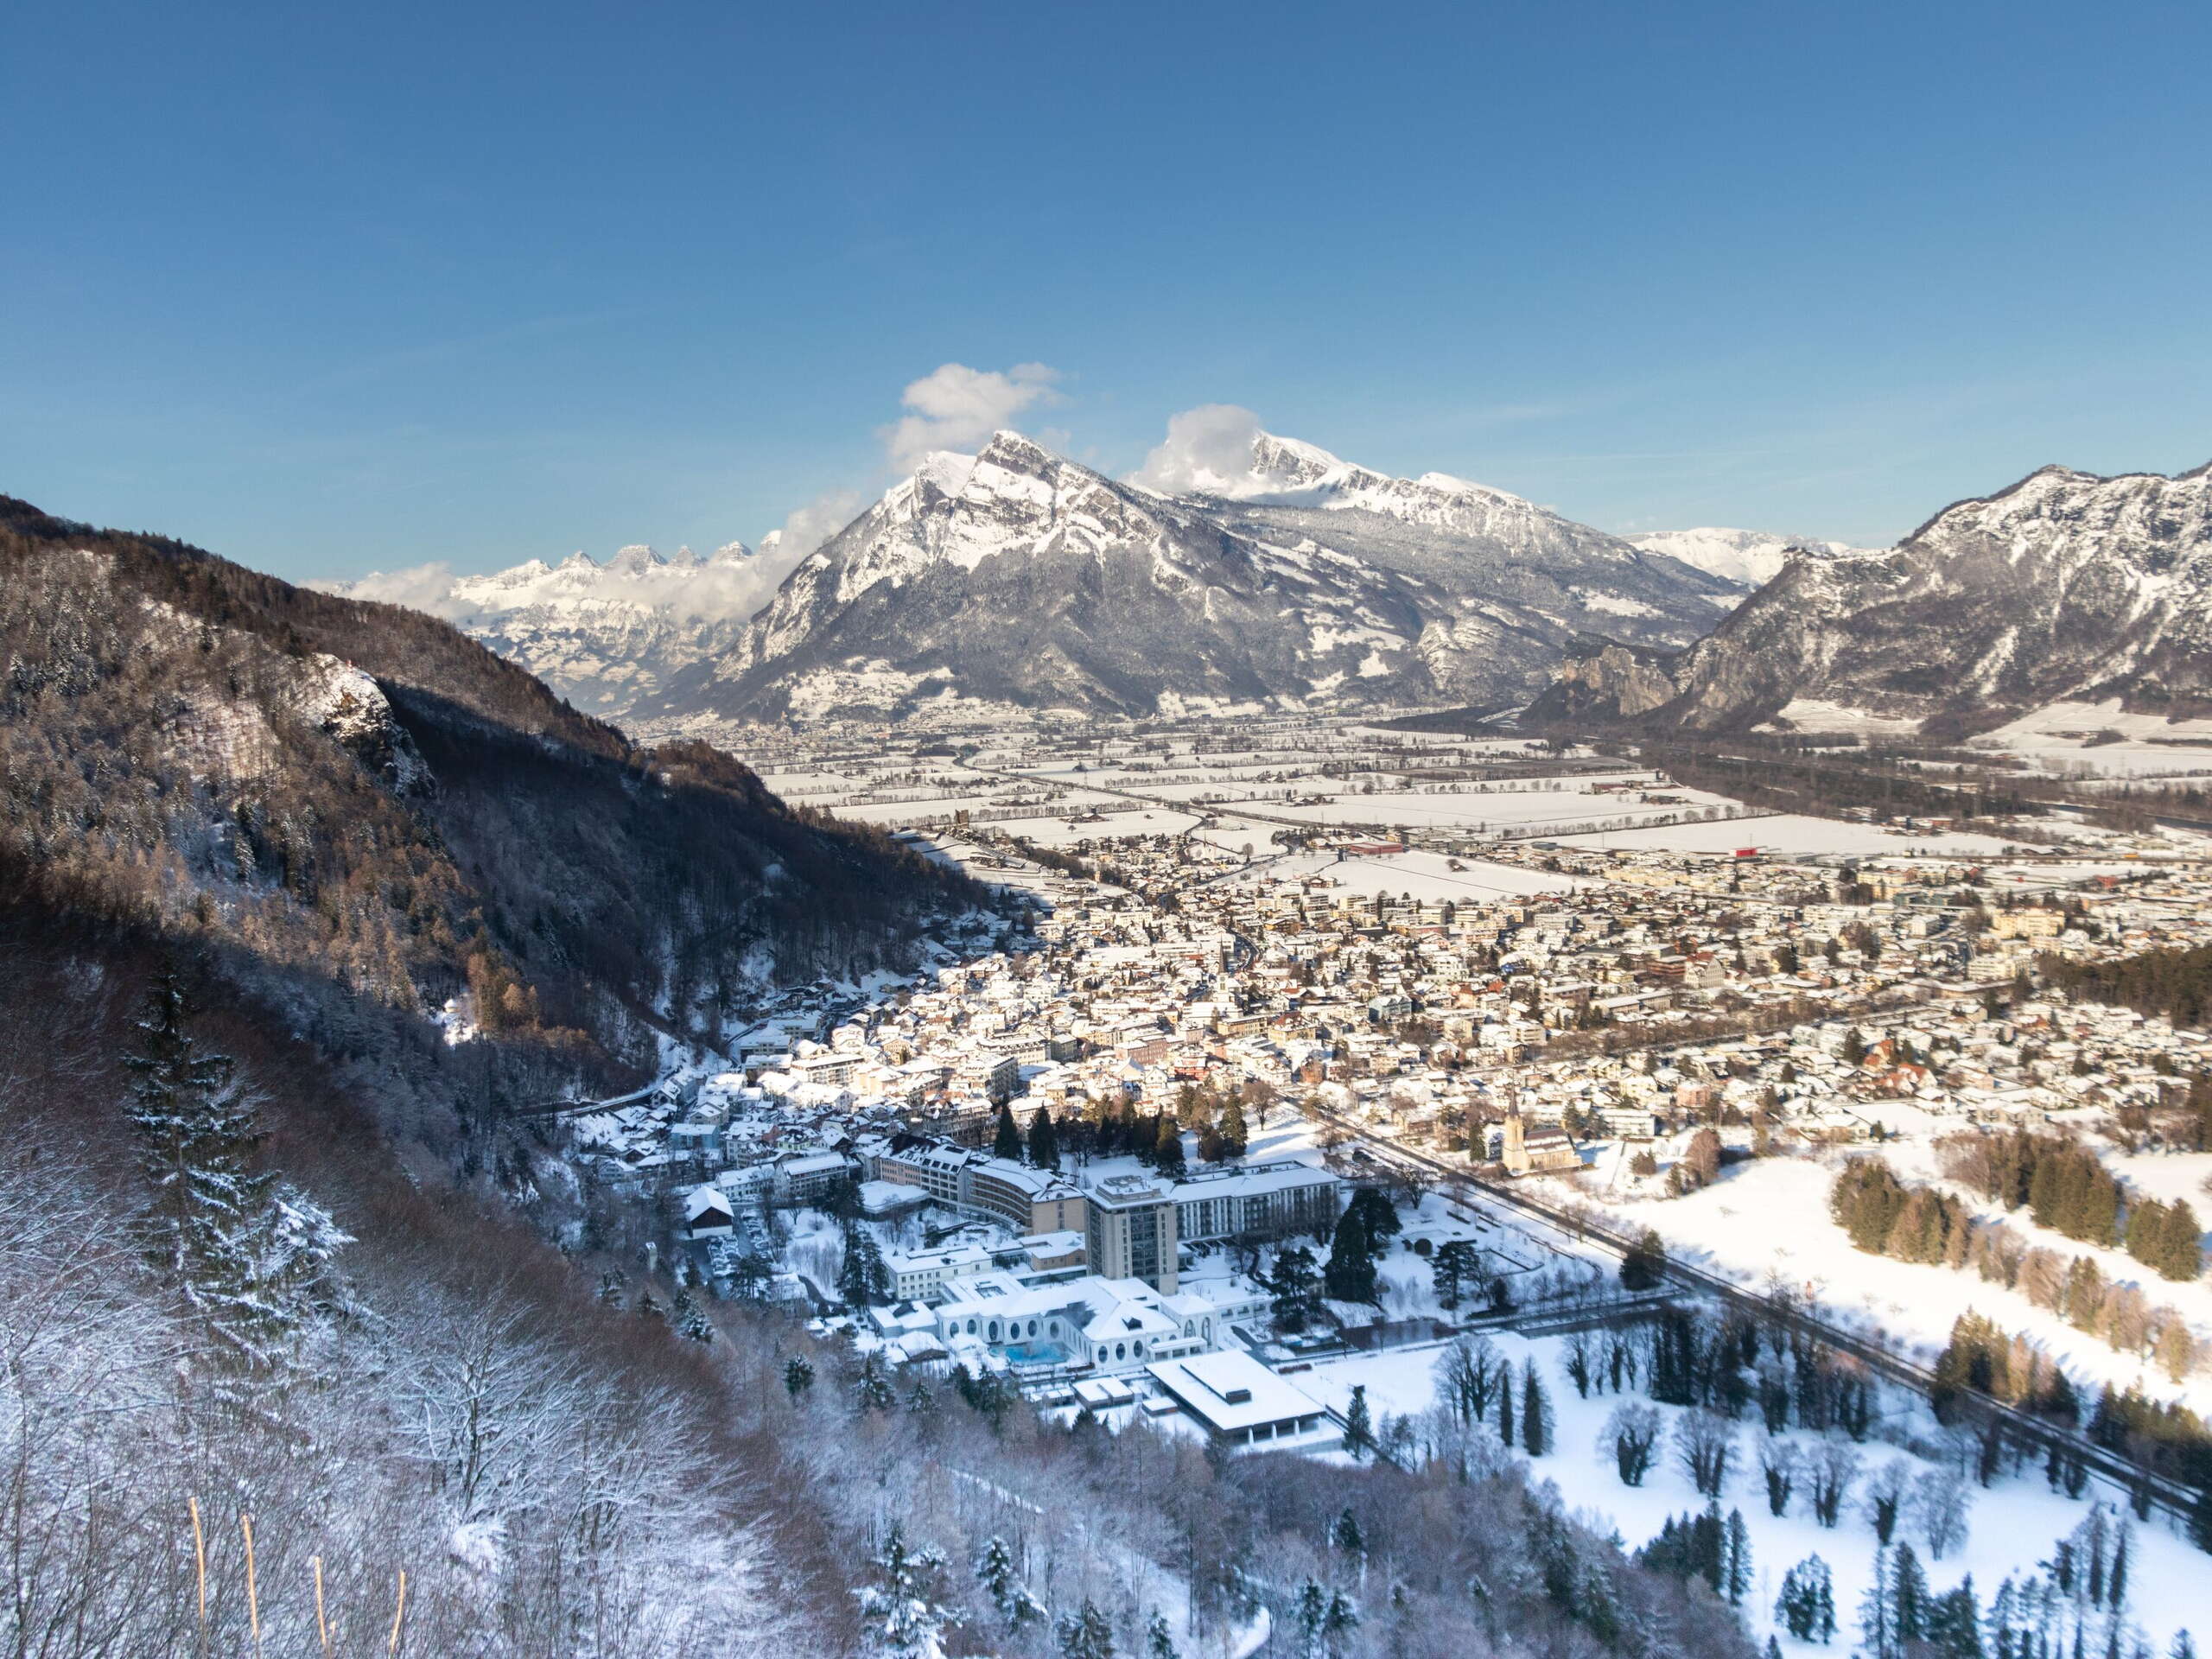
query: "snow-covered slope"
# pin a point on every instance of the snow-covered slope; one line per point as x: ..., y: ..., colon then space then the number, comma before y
x: 2065, y: 587
x: 1750, y: 558
x: 1017, y: 577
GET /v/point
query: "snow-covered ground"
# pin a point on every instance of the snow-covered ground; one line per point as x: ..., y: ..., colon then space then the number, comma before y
x: 2013, y: 1524
x: 1502, y: 810
x: 1789, y: 835
x: 1426, y: 875
x: 1768, y: 1218
x: 2064, y: 739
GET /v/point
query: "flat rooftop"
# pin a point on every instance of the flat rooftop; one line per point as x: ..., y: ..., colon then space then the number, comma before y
x: 1232, y: 1391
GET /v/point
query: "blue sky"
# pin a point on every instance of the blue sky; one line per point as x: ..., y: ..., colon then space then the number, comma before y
x: 331, y: 289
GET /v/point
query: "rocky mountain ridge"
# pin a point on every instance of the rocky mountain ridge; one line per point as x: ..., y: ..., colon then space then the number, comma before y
x: 2066, y: 585
x: 1018, y: 579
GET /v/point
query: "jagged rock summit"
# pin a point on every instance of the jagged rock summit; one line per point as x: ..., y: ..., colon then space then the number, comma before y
x: 2065, y: 587
x: 1016, y: 578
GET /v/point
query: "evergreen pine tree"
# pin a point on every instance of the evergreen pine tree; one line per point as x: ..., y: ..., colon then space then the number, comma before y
x: 872, y: 1389
x: 864, y: 1279
x: 996, y: 1571
x: 1505, y: 1409
x: 1910, y: 1596
x: 1341, y: 1616
x: 1736, y: 1576
x: 1456, y: 1269
x: 1536, y: 1413
x: 1168, y: 1149
x: 1045, y: 1139
x: 1349, y: 1274
x: 1295, y: 1286
x: 1878, y: 1611
x: 688, y: 1319
x: 1346, y: 1535
x: 1953, y: 1628
x: 902, y: 1614
x: 1806, y: 1603
x: 798, y: 1377
x: 195, y: 1130
x: 252, y: 1257
x: 2180, y: 1253
x: 1159, y: 1640
x: 1359, y: 1426
x: 1006, y: 1140
x: 1086, y: 1634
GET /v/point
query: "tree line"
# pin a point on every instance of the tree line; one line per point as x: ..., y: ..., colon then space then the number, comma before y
x: 1910, y: 1222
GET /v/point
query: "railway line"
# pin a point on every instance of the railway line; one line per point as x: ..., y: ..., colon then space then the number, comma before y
x: 2020, y: 1428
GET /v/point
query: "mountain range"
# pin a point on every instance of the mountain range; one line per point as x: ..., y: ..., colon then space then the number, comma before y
x: 1017, y: 579
x: 2065, y: 587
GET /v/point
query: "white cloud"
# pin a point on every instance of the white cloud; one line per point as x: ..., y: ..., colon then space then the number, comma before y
x: 1207, y: 449
x: 955, y: 407
x: 419, y: 588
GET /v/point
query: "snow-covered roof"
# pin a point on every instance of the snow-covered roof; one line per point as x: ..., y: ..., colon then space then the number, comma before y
x: 1231, y: 1390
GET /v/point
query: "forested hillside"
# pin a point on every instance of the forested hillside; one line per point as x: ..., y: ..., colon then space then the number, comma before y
x: 362, y: 814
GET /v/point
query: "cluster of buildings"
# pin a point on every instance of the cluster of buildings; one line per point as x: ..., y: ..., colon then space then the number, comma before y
x: 1571, y: 999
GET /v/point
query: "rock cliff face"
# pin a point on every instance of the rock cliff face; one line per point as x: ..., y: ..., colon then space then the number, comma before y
x: 1605, y: 681
x: 1016, y: 578
x: 2064, y: 587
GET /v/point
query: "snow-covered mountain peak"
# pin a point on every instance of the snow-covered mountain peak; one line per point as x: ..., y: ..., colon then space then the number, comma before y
x: 2064, y: 587
x: 1750, y: 558
x: 579, y: 560
x: 942, y: 473
x: 1284, y: 463
x: 635, y: 560
x: 1019, y: 576
x: 738, y: 552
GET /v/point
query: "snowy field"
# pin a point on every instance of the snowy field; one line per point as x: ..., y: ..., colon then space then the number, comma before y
x: 1117, y: 819
x: 1787, y: 836
x: 1500, y: 809
x: 1425, y: 875
x: 2073, y: 740
x: 1768, y: 1218
x: 2011, y: 1526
